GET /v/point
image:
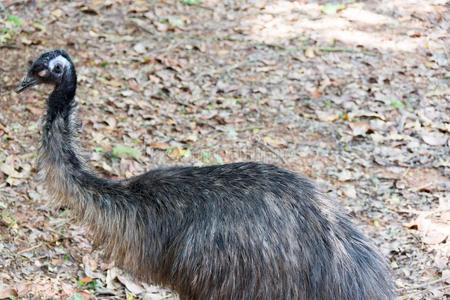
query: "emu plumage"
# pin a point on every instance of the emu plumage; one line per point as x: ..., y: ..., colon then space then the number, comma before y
x: 233, y: 231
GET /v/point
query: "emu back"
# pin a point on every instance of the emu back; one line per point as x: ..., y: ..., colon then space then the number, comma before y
x: 234, y: 231
x: 252, y: 231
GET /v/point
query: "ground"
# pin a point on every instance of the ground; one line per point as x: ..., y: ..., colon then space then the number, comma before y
x: 353, y: 94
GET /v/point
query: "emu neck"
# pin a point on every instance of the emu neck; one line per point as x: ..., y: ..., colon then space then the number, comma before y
x: 61, y: 166
x: 59, y: 142
x: 61, y: 100
x: 100, y: 203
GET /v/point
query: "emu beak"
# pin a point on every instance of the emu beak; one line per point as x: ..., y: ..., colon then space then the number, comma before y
x: 28, y: 82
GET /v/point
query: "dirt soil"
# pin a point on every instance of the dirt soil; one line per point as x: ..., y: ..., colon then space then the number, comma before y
x: 353, y: 94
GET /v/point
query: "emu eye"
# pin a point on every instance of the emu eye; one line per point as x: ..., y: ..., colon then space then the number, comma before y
x: 57, y: 69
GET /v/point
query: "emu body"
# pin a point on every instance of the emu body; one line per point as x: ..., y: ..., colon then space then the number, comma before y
x: 234, y: 231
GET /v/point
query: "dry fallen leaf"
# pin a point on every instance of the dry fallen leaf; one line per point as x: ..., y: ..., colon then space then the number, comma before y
x: 365, y: 114
x: 8, y: 293
x: 82, y: 295
x: 90, y: 10
x: 310, y: 52
x: 90, y: 267
x: 446, y: 276
x: 359, y: 128
x: 134, y: 287
x: 111, y: 276
x: 327, y: 116
x: 315, y: 94
x: 17, y: 170
x: 160, y: 145
x: 86, y: 279
x: 275, y: 142
x: 434, y: 138
x: 421, y: 179
x: 57, y: 13
x: 349, y: 191
x: 139, y: 6
x: 111, y: 121
x: 178, y: 153
x: 432, y: 228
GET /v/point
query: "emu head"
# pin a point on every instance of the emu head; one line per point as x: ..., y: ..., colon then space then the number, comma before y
x: 50, y: 68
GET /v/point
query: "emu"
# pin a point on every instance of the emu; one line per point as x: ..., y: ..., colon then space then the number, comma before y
x: 234, y: 231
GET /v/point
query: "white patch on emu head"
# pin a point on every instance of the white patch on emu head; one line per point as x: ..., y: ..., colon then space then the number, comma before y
x: 59, y: 60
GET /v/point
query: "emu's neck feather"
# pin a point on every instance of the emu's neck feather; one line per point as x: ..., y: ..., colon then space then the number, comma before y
x: 100, y: 203
x: 60, y: 163
x: 97, y: 202
x: 61, y: 166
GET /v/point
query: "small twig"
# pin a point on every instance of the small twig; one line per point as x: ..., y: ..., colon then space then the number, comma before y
x: 9, y: 46
x: 250, y: 128
x: 139, y: 24
x: 268, y: 148
x: 205, y: 7
x: 336, y: 49
x: 29, y: 249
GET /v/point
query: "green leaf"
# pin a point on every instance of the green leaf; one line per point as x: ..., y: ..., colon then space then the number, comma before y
x: 175, y: 21
x: 218, y: 158
x: 80, y: 283
x: 124, y: 151
x: 92, y: 285
x: 397, y: 104
x: 332, y: 8
x: 14, y: 20
x: 130, y: 296
x: 77, y: 297
x: 191, y: 2
x: 8, y: 219
x: 205, y: 156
